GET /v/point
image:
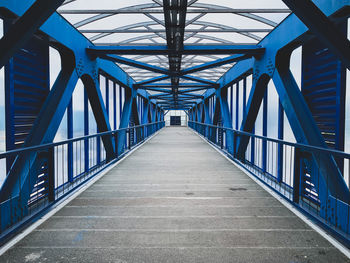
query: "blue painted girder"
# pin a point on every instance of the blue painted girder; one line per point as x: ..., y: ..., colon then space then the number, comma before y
x: 168, y: 85
x: 215, y: 63
x: 24, y: 28
x: 208, y: 65
x: 158, y: 90
x: 305, y: 130
x: 187, y: 50
x: 324, y: 29
x: 44, y: 131
x: 136, y: 64
x: 188, y: 77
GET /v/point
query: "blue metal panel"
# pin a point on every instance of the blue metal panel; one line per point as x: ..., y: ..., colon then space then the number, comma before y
x: 323, y: 87
x: 306, y: 131
x: 26, y: 88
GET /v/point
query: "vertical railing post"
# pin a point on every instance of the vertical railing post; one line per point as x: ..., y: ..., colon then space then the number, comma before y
x: 280, y: 145
x: 222, y: 138
x: 116, y: 144
x: 234, y: 145
x: 51, y: 174
x: 297, y: 175
x: 70, y: 159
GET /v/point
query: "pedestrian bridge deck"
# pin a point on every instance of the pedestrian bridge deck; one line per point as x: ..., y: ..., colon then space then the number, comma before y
x: 175, y: 199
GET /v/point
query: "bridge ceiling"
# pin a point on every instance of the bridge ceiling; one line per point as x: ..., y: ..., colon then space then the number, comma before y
x: 176, y: 25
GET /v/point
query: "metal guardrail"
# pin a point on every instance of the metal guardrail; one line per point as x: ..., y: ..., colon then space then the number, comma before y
x: 65, y: 166
x: 288, y: 169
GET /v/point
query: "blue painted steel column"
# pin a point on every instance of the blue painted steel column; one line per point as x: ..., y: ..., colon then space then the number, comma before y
x: 227, y: 121
x: 231, y: 101
x: 70, y: 136
x: 280, y: 146
x: 237, y: 104
x: 100, y: 113
x: 86, y: 132
x: 125, y: 119
x: 244, y: 98
x: 107, y: 95
x: 306, y: 131
x: 264, y: 142
x: 207, y: 119
x: 256, y: 96
x: 145, y: 119
x: 115, y: 106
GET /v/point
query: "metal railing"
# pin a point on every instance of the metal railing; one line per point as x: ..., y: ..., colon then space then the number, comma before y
x: 61, y: 168
x: 289, y: 169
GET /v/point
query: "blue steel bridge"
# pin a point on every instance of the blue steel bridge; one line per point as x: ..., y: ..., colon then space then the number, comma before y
x: 91, y: 170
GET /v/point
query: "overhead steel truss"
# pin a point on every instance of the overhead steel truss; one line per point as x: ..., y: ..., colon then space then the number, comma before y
x: 150, y: 32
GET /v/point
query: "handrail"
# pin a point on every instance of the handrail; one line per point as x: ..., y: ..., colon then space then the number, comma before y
x: 53, y: 144
x: 298, y: 145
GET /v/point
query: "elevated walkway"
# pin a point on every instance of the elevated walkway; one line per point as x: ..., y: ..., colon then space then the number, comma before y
x: 174, y: 200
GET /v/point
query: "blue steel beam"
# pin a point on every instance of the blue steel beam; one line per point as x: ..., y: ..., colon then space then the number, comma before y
x: 24, y: 28
x: 221, y: 96
x: 187, y: 50
x: 146, y: 110
x: 199, y: 112
x: 192, y: 90
x: 188, y: 77
x: 136, y: 64
x: 152, y: 80
x: 306, y: 131
x: 141, y: 65
x: 322, y: 27
x: 100, y: 113
x: 158, y: 90
x: 215, y: 63
x: 43, y: 131
x: 207, y: 119
x: 130, y: 99
x: 197, y: 79
x: 152, y: 110
x: 168, y: 85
